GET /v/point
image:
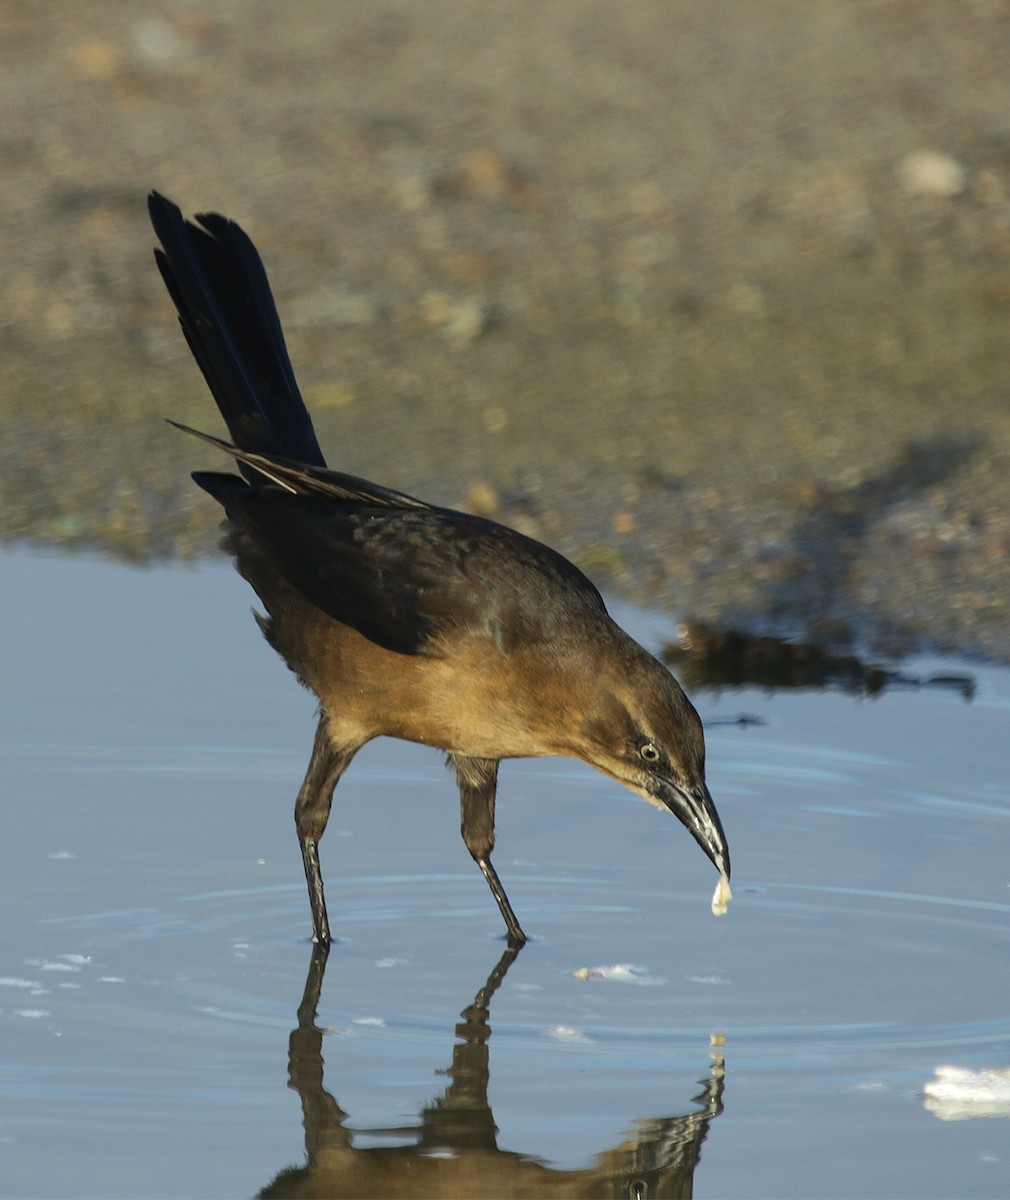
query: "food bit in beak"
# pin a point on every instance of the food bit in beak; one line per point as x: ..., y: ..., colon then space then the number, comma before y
x: 721, y: 897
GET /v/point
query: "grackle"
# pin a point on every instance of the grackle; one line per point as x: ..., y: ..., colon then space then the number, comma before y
x: 407, y: 619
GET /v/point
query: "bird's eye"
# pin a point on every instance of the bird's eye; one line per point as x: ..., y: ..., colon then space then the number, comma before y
x: 649, y: 751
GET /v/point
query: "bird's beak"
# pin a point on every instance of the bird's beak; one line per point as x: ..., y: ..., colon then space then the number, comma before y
x: 696, y: 809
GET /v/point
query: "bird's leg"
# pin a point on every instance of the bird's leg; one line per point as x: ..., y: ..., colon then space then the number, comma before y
x: 478, y: 782
x: 312, y: 810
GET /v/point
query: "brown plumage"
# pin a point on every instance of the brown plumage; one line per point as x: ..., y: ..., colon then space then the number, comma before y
x: 409, y: 620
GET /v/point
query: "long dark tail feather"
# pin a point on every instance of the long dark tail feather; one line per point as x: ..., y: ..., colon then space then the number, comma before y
x: 219, y: 287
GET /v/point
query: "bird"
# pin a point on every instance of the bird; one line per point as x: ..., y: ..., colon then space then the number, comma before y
x: 407, y: 619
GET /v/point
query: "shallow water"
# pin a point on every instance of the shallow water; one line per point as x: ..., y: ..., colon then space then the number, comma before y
x: 155, y: 948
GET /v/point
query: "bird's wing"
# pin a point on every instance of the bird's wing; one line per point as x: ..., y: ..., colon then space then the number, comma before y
x: 405, y: 577
x: 304, y: 479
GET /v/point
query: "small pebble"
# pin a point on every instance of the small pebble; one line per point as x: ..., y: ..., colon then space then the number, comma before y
x: 930, y: 173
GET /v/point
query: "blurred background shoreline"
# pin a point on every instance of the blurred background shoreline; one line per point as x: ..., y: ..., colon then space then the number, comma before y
x: 714, y: 298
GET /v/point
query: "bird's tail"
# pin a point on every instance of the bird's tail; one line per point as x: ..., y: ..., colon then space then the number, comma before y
x: 217, y: 282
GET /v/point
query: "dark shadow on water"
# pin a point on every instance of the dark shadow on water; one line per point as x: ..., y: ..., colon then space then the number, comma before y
x: 716, y: 658
x: 453, y: 1149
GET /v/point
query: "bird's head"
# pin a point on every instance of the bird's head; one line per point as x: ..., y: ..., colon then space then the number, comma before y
x: 640, y: 728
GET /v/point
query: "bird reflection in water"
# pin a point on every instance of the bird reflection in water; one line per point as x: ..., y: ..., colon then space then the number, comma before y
x: 454, y: 1151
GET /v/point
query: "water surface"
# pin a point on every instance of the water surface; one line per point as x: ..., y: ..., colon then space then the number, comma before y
x: 155, y: 949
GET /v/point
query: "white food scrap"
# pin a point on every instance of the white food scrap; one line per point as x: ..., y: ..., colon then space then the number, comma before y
x: 721, y: 897
x: 957, y: 1094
